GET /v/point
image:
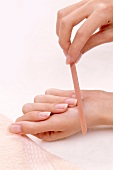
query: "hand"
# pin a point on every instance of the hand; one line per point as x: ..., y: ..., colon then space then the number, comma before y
x: 97, y: 106
x: 98, y: 14
x: 41, y: 109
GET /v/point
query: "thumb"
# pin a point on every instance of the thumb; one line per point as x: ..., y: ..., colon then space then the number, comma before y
x: 28, y: 127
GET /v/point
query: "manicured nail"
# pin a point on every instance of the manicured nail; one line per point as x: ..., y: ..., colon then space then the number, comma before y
x: 68, y: 59
x: 61, y: 106
x: 44, y: 114
x: 71, y: 101
x: 15, y: 128
x: 73, y: 96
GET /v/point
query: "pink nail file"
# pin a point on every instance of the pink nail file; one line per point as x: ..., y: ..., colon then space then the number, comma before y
x: 79, y: 100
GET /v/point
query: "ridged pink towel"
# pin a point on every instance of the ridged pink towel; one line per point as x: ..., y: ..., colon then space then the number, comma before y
x: 21, y: 153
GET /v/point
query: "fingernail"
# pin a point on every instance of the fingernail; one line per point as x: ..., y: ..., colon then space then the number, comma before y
x: 15, y: 128
x: 73, y: 96
x: 71, y: 101
x: 68, y: 59
x: 61, y: 106
x: 44, y: 114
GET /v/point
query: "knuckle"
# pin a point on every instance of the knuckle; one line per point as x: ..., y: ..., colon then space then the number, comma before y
x: 63, y: 22
x: 104, y: 8
x: 80, y: 33
x: 60, y: 14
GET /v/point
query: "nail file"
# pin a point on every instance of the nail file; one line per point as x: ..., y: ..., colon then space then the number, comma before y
x: 78, y: 96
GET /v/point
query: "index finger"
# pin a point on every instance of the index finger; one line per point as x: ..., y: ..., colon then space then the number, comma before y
x: 83, y: 34
x: 61, y: 93
x: 63, y: 12
x: 68, y: 22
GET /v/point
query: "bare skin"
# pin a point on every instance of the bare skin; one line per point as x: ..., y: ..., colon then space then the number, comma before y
x: 97, y: 107
x: 97, y: 14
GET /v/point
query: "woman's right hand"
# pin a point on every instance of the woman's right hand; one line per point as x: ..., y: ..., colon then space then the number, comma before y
x: 98, y: 15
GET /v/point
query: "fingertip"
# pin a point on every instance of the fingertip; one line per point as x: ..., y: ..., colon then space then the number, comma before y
x: 70, y: 59
x: 15, y: 128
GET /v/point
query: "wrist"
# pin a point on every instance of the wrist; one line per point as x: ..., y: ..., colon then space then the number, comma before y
x: 107, y: 116
x: 102, y: 113
x: 106, y: 113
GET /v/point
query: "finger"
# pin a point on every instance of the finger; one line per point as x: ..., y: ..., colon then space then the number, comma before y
x: 84, y: 93
x: 63, y: 12
x: 78, y: 58
x: 55, y: 99
x: 34, y: 116
x: 97, y: 39
x: 62, y: 93
x: 49, y: 99
x: 83, y: 34
x: 70, y: 93
x: 52, y: 135
x: 44, y: 107
x: 26, y: 127
x: 68, y: 22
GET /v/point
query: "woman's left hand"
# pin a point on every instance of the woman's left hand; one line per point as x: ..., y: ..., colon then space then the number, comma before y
x: 96, y: 105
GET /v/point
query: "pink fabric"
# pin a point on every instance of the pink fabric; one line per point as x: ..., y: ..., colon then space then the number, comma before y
x: 21, y: 153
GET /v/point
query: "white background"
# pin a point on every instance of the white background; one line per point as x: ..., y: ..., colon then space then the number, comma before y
x: 31, y: 61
